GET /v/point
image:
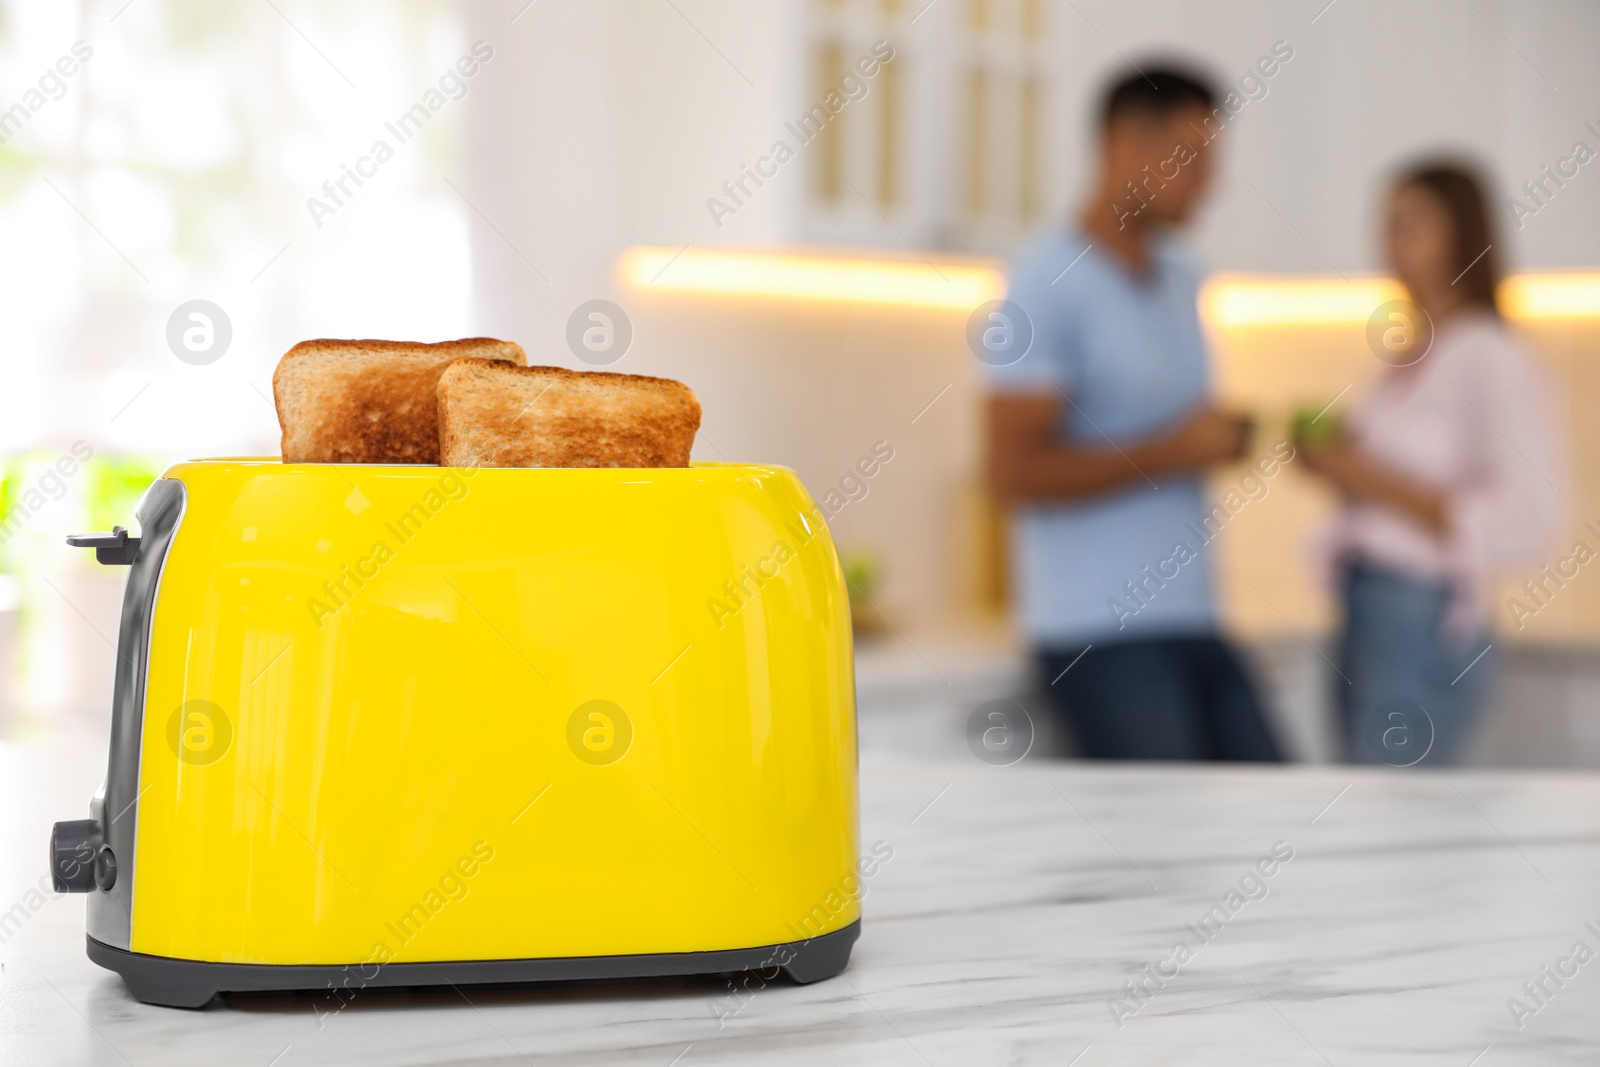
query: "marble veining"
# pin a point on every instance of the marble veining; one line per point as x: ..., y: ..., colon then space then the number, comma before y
x: 1030, y: 914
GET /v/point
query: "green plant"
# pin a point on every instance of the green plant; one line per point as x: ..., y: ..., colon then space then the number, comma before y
x: 115, y: 485
x: 862, y: 571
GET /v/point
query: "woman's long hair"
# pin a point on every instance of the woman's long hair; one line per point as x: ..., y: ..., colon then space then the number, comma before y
x: 1475, y: 265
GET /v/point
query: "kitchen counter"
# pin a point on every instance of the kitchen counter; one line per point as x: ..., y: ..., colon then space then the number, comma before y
x: 1375, y: 917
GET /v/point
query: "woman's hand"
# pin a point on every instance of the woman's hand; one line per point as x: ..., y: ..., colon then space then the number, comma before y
x: 1337, y: 462
x: 1356, y: 475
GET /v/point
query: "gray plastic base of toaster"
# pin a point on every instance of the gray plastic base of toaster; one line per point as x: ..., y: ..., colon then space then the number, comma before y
x: 176, y: 983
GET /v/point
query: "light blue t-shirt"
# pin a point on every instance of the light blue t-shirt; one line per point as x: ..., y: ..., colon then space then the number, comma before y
x: 1129, y: 357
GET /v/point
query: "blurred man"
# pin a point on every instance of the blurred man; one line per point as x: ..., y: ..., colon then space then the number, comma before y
x: 1098, y: 437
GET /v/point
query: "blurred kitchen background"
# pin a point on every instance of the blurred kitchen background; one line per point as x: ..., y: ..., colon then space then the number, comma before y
x: 601, y: 150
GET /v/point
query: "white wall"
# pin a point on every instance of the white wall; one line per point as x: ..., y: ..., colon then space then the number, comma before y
x: 1370, y: 86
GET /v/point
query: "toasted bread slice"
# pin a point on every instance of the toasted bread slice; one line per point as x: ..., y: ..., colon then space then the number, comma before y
x: 369, y: 401
x: 494, y: 414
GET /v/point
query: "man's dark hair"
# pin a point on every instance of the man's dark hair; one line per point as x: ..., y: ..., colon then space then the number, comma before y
x: 1155, y: 92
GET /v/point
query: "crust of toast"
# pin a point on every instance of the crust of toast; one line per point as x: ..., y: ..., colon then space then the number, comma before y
x: 495, y: 414
x: 369, y: 401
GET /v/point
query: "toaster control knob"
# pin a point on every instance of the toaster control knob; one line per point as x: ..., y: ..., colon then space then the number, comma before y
x: 73, y: 861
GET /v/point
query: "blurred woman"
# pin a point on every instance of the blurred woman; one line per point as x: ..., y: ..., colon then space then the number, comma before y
x: 1450, y: 474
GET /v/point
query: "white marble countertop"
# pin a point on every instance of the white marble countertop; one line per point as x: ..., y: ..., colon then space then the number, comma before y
x: 1017, y: 904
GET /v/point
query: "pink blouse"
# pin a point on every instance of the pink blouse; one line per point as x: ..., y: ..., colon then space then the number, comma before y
x: 1475, y: 418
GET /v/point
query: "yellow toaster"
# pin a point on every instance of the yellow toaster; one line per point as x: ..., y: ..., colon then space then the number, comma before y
x: 402, y: 725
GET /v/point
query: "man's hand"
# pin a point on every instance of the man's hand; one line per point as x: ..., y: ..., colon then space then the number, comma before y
x: 1027, y: 460
x: 1208, y: 436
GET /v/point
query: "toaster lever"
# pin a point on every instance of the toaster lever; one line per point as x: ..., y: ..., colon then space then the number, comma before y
x: 115, y: 548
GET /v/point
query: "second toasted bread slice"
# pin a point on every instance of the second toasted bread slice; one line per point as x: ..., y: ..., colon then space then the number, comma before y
x: 494, y: 414
x: 369, y: 401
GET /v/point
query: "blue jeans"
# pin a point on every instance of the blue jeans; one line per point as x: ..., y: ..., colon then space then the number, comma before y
x: 1408, y: 693
x: 1182, y: 698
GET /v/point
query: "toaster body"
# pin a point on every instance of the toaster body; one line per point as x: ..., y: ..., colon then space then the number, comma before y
x: 393, y: 725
